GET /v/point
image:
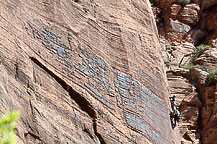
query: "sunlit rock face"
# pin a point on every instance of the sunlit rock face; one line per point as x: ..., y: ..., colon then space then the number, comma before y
x: 183, y: 25
x: 84, y: 72
x: 189, y: 105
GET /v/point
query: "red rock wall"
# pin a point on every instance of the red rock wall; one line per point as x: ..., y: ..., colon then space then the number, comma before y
x: 83, y: 72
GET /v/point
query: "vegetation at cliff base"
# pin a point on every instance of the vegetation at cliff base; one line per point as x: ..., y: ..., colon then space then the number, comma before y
x: 7, y: 128
x: 199, y: 51
x: 212, y: 78
x: 190, y: 67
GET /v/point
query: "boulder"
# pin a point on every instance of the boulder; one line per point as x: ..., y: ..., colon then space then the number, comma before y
x: 171, y: 12
x: 174, y: 11
x: 176, y: 31
x: 189, y: 14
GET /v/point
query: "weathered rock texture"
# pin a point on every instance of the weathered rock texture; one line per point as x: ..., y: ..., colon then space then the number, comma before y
x: 197, y: 104
x: 189, y: 105
x: 83, y: 72
x: 194, y: 22
x: 182, y: 27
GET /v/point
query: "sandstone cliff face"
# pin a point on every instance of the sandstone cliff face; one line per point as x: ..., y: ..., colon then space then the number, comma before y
x: 84, y: 72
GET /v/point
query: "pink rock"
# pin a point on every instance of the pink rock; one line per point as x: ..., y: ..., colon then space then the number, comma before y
x: 189, y: 14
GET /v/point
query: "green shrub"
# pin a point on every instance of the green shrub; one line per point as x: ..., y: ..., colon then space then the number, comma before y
x: 169, y: 75
x: 168, y: 64
x: 199, y: 51
x: 190, y: 67
x: 212, y: 78
x: 184, y: 2
x: 7, y: 127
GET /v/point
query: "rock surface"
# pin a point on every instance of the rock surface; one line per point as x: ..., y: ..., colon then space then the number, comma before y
x: 189, y: 105
x: 208, y: 58
x: 194, y: 22
x: 197, y: 104
x: 208, y: 3
x: 183, y: 28
x: 208, y: 114
x: 189, y: 14
x: 84, y: 72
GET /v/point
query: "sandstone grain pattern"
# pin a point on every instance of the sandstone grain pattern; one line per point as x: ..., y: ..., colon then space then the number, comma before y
x: 83, y: 72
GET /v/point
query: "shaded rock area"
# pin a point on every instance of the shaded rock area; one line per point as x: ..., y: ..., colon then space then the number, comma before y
x: 84, y: 72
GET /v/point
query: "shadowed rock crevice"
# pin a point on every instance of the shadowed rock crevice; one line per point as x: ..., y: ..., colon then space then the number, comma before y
x: 33, y: 136
x: 102, y: 141
x: 81, y: 101
x: 199, y: 121
x: 199, y: 118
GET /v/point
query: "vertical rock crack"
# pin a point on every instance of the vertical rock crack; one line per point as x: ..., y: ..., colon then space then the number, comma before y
x: 83, y: 103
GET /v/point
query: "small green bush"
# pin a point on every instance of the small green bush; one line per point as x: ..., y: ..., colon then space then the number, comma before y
x: 184, y: 2
x: 190, y: 67
x: 168, y: 64
x: 212, y: 78
x: 7, y: 127
x: 199, y: 51
x: 169, y: 75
